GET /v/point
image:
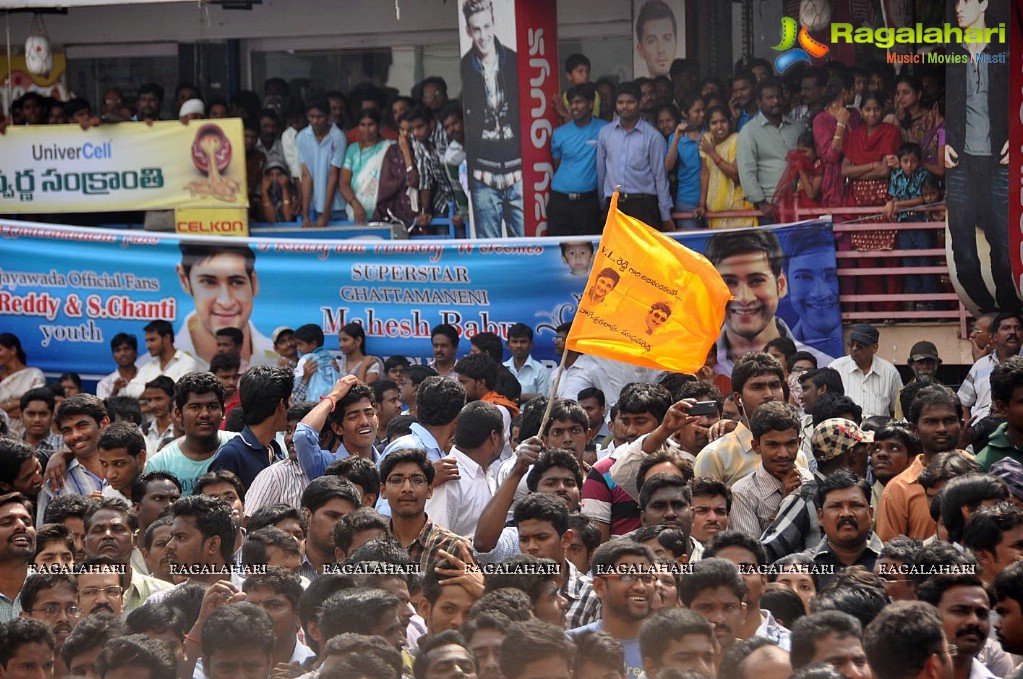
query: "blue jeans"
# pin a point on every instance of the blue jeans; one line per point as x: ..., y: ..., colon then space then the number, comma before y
x: 491, y: 206
x: 917, y: 239
x: 977, y: 196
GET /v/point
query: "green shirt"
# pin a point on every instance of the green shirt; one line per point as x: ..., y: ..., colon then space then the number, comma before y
x: 999, y: 446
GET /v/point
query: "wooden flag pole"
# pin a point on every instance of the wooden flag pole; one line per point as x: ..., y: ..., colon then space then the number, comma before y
x: 564, y: 355
x: 554, y: 390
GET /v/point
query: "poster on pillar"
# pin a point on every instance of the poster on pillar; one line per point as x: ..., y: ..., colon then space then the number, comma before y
x: 976, y: 154
x: 659, y: 29
x: 509, y: 71
x: 1015, y: 226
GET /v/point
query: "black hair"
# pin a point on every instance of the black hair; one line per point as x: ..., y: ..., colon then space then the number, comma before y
x: 798, y: 356
x: 831, y: 406
x: 987, y: 526
x: 311, y: 602
x: 262, y: 389
x: 663, y: 627
x: 362, y: 519
x: 199, y: 383
x: 278, y: 580
x: 21, y: 631
x: 711, y: 573
x: 631, y: 89
x: 773, y: 416
x: 163, y: 383
x: 724, y: 245
x: 754, y: 364
x: 543, y: 507
x: 736, y: 655
x: 533, y: 640
x: 1009, y: 584
x: 858, y: 599
x: 660, y: 481
x: 439, y: 400
x: 273, y: 514
x: 356, y: 610
x: 1006, y: 378
x: 658, y: 457
x: 556, y: 457
x: 968, y: 491
x: 66, y: 507
x: 591, y: 392
x: 359, y: 471
x: 510, y: 603
x: 448, y: 331
x: 899, y: 430
x: 825, y: 378
x: 218, y: 476
x: 479, y: 367
x: 213, y: 518
x: 490, y: 344
x: 902, y: 638
x: 769, y: 83
x: 323, y: 489
x: 38, y: 394
x: 710, y: 486
x: 137, y: 651
x: 47, y: 534
x: 239, y: 626
x: 910, y: 148
x: 933, y: 588
x: 123, y: 435
x: 91, y: 632
x: 81, y: 404
x: 841, y: 479
x: 114, y: 504
x: 159, y: 327
x: 225, y: 362
x: 37, y: 582
x: 310, y: 332
x: 156, y: 617
x: 13, y: 454
x: 734, y: 538
x: 573, y: 61
x: 808, y: 630
x: 520, y: 330
x: 933, y: 395
x: 638, y: 398
x: 784, y: 604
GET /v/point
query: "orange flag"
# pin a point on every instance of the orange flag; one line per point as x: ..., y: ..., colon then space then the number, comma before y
x: 649, y: 300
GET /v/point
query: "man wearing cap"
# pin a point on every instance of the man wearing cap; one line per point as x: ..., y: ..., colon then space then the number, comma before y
x: 278, y: 200
x: 975, y: 393
x: 283, y: 338
x: 924, y: 362
x: 870, y: 381
x: 838, y: 445
x: 845, y: 517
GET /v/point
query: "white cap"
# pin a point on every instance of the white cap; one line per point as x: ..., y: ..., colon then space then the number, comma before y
x: 192, y: 106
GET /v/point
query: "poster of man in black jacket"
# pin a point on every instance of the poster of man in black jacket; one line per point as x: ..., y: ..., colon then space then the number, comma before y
x: 977, y: 157
x: 490, y: 97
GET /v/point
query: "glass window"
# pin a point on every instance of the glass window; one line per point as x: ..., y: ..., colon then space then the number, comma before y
x: 90, y: 73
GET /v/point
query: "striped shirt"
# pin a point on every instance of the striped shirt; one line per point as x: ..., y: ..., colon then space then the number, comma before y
x: 80, y: 481
x: 605, y: 501
x: 283, y: 481
x: 755, y: 501
x: 731, y: 457
x: 975, y: 393
x: 876, y: 391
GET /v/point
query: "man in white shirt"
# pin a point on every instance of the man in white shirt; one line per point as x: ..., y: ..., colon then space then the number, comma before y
x: 872, y: 382
x: 166, y: 359
x: 125, y: 349
x: 975, y: 394
x: 479, y: 440
x: 605, y: 374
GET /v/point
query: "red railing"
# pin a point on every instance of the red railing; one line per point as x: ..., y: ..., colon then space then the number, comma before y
x: 848, y: 269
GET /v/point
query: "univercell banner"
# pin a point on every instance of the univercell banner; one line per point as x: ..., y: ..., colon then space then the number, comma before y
x: 127, y: 166
x: 67, y: 307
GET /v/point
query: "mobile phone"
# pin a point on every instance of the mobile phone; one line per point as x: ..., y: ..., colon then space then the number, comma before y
x: 704, y: 408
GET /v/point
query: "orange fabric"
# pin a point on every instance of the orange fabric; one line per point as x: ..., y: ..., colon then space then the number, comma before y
x: 498, y: 400
x: 649, y: 300
x: 903, y: 509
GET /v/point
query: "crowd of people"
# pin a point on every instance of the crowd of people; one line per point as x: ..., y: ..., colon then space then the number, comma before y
x: 829, y: 136
x: 343, y: 516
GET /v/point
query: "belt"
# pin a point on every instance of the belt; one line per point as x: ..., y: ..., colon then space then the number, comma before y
x: 626, y: 197
x: 497, y: 181
x: 589, y: 195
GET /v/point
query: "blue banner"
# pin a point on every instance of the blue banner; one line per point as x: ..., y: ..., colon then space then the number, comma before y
x: 66, y: 291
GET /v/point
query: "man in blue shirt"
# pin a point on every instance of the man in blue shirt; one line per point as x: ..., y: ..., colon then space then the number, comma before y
x: 265, y: 392
x: 350, y: 411
x: 630, y: 154
x: 321, y: 150
x: 573, y: 208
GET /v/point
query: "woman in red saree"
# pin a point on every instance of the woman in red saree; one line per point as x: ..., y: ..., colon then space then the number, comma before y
x: 869, y: 156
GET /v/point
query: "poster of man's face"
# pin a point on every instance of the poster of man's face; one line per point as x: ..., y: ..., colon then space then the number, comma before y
x: 483, y: 21
x: 659, y: 34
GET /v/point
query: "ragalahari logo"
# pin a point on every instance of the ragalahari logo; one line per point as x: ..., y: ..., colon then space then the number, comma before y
x: 808, y: 47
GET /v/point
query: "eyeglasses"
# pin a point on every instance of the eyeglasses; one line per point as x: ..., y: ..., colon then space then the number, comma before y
x: 952, y: 650
x: 111, y: 591
x: 398, y: 481
x: 632, y: 578
x: 53, y: 609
